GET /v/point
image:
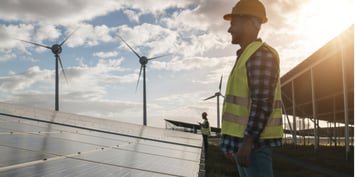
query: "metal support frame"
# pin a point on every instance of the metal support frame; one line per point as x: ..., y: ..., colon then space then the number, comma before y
x: 294, y: 114
x: 314, y: 107
x: 345, y: 96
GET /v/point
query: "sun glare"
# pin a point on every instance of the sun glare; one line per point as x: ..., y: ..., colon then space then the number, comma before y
x: 322, y: 20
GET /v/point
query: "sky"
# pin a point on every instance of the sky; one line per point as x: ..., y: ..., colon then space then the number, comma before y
x: 102, y: 73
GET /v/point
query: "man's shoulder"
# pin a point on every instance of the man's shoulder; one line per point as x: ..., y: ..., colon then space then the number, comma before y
x: 265, y: 51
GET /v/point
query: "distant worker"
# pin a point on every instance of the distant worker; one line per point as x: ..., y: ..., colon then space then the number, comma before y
x: 251, y: 117
x: 205, y: 130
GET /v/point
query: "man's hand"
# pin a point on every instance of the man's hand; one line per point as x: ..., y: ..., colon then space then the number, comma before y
x: 243, y: 154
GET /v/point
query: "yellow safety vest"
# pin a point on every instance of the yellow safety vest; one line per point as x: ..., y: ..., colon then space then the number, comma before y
x: 236, y: 107
x: 205, y: 130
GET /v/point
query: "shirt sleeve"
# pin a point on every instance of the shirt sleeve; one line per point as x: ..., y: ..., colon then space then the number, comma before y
x: 263, y: 73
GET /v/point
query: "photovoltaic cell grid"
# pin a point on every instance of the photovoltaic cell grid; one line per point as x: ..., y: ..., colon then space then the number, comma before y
x: 37, y: 142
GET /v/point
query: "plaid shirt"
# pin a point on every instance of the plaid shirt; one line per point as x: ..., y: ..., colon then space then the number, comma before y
x: 262, y: 71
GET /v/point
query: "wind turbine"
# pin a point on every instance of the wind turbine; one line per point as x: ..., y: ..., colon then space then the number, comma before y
x: 56, y: 50
x: 217, y: 94
x: 143, y: 60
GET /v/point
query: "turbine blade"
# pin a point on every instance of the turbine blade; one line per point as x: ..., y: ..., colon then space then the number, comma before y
x: 129, y: 46
x: 61, y: 65
x: 68, y: 36
x: 158, y: 57
x: 41, y: 45
x: 220, y: 84
x: 209, y: 98
x: 139, y: 76
x: 222, y: 95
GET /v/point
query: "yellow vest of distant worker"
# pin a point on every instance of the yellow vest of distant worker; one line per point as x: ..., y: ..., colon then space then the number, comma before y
x: 236, y: 107
x: 205, y: 130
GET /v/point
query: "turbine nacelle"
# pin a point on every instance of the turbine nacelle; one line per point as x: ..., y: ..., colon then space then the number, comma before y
x: 56, y: 49
x: 143, y: 60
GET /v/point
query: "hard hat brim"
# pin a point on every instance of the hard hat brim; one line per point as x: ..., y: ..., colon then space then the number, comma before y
x: 227, y: 17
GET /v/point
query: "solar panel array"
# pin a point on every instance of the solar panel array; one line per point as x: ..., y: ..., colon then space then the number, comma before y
x: 37, y: 142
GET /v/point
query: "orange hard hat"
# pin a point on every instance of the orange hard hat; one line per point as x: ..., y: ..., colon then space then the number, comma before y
x: 248, y: 7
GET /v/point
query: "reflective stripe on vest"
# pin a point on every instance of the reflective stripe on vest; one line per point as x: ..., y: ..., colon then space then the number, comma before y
x: 246, y: 102
x: 236, y: 107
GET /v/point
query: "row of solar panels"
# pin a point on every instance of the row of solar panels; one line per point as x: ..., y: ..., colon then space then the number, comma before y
x: 36, y: 142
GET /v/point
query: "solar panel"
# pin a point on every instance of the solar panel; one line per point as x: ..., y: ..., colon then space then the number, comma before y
x: 38, y: 142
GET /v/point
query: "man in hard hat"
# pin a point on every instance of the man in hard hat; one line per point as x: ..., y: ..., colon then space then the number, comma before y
x: 251, y: 117
x: 205, y: 131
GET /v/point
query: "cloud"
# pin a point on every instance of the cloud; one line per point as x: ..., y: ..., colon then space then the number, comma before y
x: 106, y: 54
x: 95, y: 79
x: 193, y: 63
x: 91, y: 79
x: 185, y: 20
x: 46, y: 32
x: 212, y: 13
x: 132, y: 15
x: 90, y: 35
x: 6, y: 55
x: 24, y: 81
x: 10, y: 33
x: 55, y: 12
x: 157, y: 7
x: 154, y: 38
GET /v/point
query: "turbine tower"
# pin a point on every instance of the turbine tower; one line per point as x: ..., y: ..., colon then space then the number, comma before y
x: 217, y: 94
x: 56, y: 50
x: 143, y: 60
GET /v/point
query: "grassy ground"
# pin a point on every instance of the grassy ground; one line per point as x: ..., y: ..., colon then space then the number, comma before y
x: 217, y: 164
x: 302, y: 161
x: 290, y: 161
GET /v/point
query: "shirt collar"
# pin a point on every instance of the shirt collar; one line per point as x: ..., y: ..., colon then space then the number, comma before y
x: 240, y: 51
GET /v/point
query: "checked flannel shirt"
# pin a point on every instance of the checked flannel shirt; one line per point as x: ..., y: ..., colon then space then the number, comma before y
x: 262, y: 71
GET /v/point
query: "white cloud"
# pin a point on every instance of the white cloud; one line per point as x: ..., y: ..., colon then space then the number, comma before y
x: 6, y: 55
x: 55, y: 12
x: 24, y: 81
x: 111, y: 109
x: 157, y: 7
x: 157, y: 39
x: 95, y: 79
x: 186, y: 20
x: 10, y: 33
x: 132, y: 15
x: 106, y: 54
x: 46, y: 32
x: 91, y: 79
x: 90, y: 35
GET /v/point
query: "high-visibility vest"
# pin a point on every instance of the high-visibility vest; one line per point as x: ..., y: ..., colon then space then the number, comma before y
x: 205, y: 128
x: 236, y: 107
